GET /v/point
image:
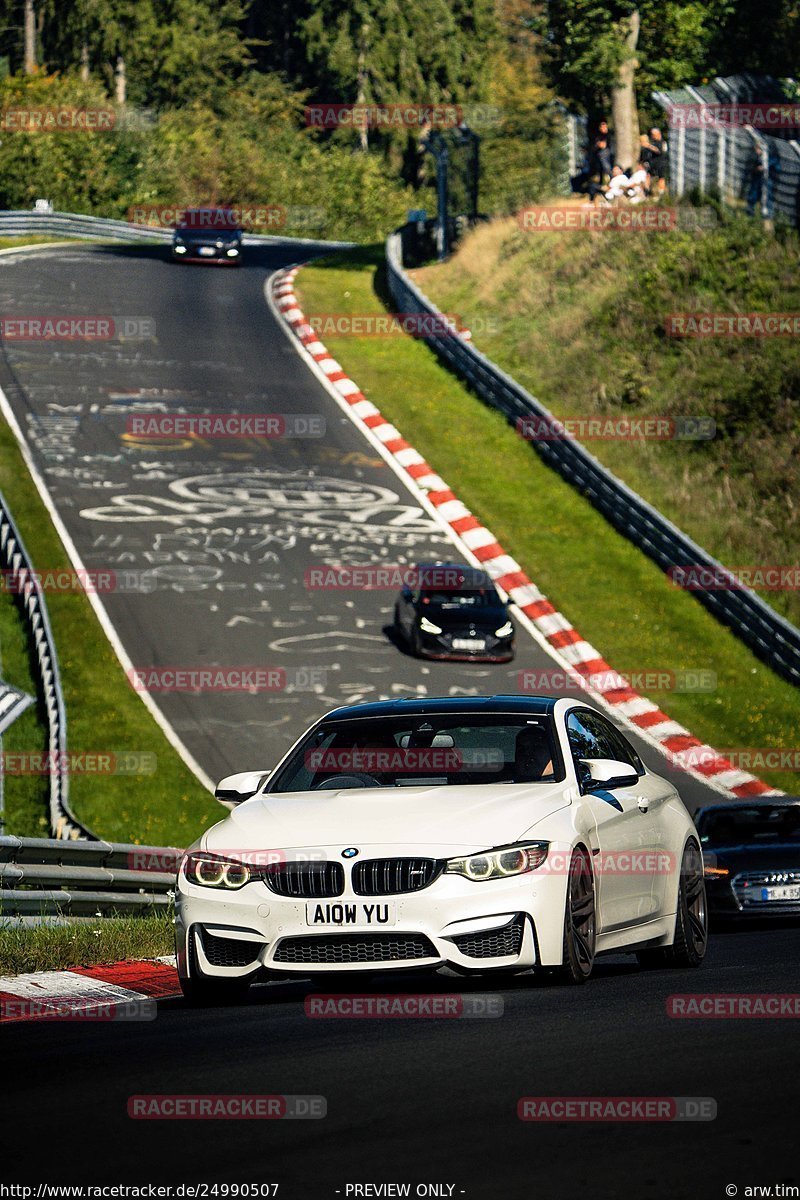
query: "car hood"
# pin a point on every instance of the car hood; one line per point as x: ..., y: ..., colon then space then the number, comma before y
x: 777, y: 856
x: 467, y: 818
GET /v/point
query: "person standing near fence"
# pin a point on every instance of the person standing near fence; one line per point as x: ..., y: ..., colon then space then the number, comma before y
x: 653, y: 154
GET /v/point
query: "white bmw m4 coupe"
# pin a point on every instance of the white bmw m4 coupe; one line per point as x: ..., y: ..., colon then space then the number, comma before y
x: 479, y: 834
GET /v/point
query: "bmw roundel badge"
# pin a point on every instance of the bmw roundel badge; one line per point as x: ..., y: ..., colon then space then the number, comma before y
x: 349, y: 852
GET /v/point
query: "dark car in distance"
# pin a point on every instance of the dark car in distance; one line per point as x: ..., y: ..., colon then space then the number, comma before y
x: 752, y: 857
x: 453, y: 611
x: 208, y: 235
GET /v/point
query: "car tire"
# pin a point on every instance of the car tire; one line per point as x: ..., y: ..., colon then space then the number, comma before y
x: 397, y: 627
x: 690, y: 940
x: 580, y: 923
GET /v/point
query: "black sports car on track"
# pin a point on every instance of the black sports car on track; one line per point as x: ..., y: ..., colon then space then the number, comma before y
x: 453, y: 611
x: 752, y: 857
x: 208, y: 235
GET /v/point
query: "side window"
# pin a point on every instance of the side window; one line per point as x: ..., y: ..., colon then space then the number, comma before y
x: 592, y: 736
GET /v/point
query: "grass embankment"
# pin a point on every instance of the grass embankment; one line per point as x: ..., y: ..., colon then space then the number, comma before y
x: 579, y: 319
x: 167, y: 807
x: 615, y: 596
x: 107, y: 940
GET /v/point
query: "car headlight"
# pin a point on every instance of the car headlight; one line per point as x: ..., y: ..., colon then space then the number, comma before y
x: 500, y: 863
x: 232, y: 252
x: 210, y: 870
x: 179, y: 248
x: 504, y: 630
x: 428, y: 626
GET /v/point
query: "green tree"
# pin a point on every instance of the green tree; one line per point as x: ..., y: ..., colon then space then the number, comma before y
x: 175, y: 51
x: 385, y: 51
x: 613, y: 53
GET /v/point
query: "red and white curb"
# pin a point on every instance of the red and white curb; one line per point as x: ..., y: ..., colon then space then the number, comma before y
x: 550, y: 627
x: 115, y: 991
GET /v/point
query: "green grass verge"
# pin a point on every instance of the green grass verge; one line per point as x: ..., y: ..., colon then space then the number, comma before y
x: 167, y: 807
x: 580, y: 320
x: 613, y: 594
x: 107, y: 940
x: 11, y: 243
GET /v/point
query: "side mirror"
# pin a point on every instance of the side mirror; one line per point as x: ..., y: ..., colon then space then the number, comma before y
x: 236, y: 788
x: 607, y: 773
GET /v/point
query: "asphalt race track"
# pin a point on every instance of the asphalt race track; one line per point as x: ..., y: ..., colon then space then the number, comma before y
x: 229, y: 529
x: 225, y: 530
x: 427, y: 1101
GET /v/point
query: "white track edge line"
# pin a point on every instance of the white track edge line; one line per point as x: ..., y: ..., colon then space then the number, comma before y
x: 99, y: 608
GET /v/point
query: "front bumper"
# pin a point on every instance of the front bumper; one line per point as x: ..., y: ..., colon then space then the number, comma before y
x: 218, y: 257
x: 514, y: 923
x: 741, y: 897
x: 439, y: 646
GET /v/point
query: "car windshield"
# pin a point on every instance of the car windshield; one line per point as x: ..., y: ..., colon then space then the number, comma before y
x: 762, y: 823
x: 208, y: 221
x: 477, y: 598
x: 421, y: 752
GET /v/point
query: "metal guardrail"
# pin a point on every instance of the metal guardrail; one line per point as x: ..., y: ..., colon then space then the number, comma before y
x: 14, y: 557
x: 48, y: 877
x: 770, y: 636
x: 22, y: 223
x: 32, y: 223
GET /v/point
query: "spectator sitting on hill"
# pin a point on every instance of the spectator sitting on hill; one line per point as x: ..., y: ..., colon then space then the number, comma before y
x: 638, y: 184
x: 618, y: 185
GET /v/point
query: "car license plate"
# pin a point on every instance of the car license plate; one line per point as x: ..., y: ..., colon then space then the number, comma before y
x: 468, y: 644
x: 206, y: 251
x: 322, y: 914
x: 789, y: 892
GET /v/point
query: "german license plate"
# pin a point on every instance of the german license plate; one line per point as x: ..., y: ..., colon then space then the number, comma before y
x: 376, y: 915
x: 206, y: 251
x: 787, y: 892
x: 468, y: 644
